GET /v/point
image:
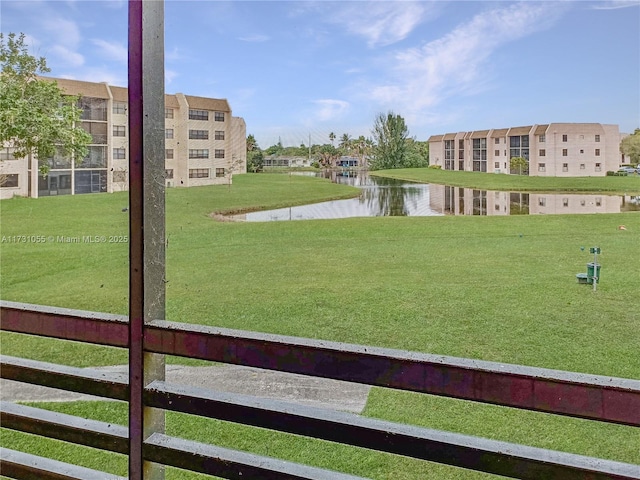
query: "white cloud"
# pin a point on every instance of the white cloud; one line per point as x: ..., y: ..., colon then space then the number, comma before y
x: 328, y: 109
x: 169, y: 75
x: 380, y: 23
x: 257, y: 38
x: 615, y: 4
x: 98, y: 75
x: 65, y: 31
x: 457, y: 63
x: 66, y: 56
x: 112, y: 50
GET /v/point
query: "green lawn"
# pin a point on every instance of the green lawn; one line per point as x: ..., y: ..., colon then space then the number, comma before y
x: 492, y: 288
x: 629, y: 185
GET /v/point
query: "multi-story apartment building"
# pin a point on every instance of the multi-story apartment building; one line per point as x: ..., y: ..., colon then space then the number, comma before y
x: 204, y: 145
x: 555, y: 149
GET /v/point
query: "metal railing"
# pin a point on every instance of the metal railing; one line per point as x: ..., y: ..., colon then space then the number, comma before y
x: 593, y: 397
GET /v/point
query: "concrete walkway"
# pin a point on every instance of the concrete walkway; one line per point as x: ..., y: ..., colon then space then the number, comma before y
x: 311, y: 391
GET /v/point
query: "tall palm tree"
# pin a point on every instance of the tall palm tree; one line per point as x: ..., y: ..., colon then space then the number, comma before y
x: 345, y: 143
x: 332, y: 137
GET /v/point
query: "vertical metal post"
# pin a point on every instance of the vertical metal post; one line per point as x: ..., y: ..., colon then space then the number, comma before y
x: 146, y: 220
x: 595, y: 268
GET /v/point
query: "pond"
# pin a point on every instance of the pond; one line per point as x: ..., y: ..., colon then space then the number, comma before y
x: 390, y: 197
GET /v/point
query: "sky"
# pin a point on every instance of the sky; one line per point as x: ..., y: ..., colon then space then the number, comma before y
x: 300, y: 70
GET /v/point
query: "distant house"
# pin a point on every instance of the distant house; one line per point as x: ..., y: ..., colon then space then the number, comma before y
x: 555, y: 149
x: 347, y: 162
x: 203, y: 143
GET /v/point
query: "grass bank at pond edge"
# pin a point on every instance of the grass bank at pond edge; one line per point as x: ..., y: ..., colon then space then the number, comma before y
x: 629, y: 185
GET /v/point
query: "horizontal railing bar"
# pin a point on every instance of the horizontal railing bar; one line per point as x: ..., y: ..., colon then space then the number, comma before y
x: 68, y: 428
x: 225, y: 463
x: 459, y: 450
x: 615, y: 400
x: 100, y: 383
x: 64, y: 323
x: 14, y: 464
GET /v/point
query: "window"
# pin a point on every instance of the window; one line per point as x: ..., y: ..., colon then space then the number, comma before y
x: 198, y: 114
x: 219, y: 172
x: 93, y: 108
x: 9, y: 181
x: 461, y: 152
x: 96, y: 158
x: 542, y: 201
x: 168, y: 133
x: 479, y: 154
x: 581, y: 150
x: 198, y: 153
x: 120, y: 176
x: 597, y: 138
x: 119, y: 153
x: 119, y: 108
x: 582, y: 203
x: 496, y: 153
x: 449, y: 154
x: 542, y: 138
x: 168, y: 173
x: 542, y: 167
x: 496, y: 165
x: 119, y: 131
x: 6, y: 154
x: 598, y: 167
x: 598, y: 201
x: 168, y: 153
x: 564, y: 138
x: 168, y: 113
x: 565, y: 167
x: 582, y: 166
x: 198, y: 173
x: 519, y: 146
x: 219, y: 117
x: 565, y: 152
x: 565, y: 202
x: 97, y: 130
x: 542, y: 152
x: 497, y: 141
x: 597, y: 152
x: 219, y: 135
x: 219, y: 153
x: 199, y: 134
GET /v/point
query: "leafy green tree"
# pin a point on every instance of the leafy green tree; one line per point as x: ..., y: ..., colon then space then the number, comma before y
x: 327, y: 155
x: 518, y: 164
x: 345, y: 144
x: 36, y: 118
x: 417, y: 154
x: 390, y: 133
x: 276, y: 149
x: 630, y: 146
x: 255, y: 157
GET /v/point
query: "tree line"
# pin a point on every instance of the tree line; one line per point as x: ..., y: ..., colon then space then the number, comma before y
x: 389, y: 147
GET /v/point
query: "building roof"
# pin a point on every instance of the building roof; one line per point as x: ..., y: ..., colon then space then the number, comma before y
x: 479, y: 134
x: 219, y: 104
x: 541, y: 129
x: 435, y: 138
x: 520, y: 130
x: 499, y: 132
x: 81, y: 88
x: 449, y: 136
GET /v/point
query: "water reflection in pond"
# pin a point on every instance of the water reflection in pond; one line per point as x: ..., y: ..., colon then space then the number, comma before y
x: 390, y: 197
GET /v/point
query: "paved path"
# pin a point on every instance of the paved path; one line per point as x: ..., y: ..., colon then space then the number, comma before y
x: 316, y: 392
